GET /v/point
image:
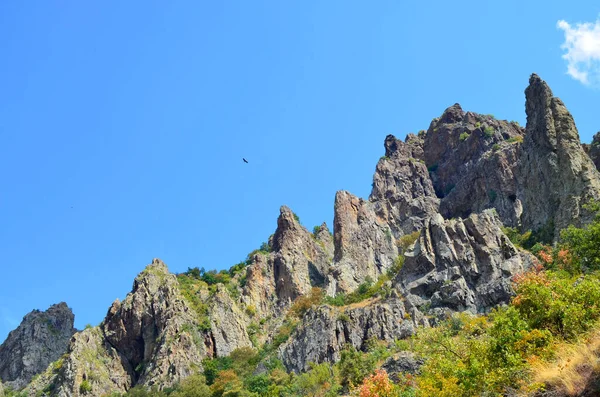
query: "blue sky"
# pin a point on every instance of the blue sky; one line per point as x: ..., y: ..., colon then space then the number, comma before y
x: 123, y: 124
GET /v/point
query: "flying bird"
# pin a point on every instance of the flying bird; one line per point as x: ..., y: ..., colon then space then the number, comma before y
x: 245, y: 161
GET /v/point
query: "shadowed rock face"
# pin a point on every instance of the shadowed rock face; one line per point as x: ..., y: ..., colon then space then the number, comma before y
x: 593, y: 150
x: 455, y: 265
x: 327, y: 330
x: 472, y: 162
x: 150, y: 338
x: 41, y: 338
x: 461, y: 265
x: 556, y: 176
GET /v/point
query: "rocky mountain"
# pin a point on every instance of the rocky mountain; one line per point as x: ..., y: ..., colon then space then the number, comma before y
x: 41, y: 338
x: 428, y: 242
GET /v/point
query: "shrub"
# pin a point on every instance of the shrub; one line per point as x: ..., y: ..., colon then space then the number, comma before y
x: 380, y: 385
x: 464, y: 136
x: 488, y: 132
x: 515, y: 139
x: 85, y: 387
x: 193, y: 386
x: 316, y: 230
x: 407, y: 240
x: 395, y: 269
x: 354, y: 367
x: 563, y: 304
x: 320, y: 380
x: 251, y: 310
x: 303, y: 303
x: 496, y: 147
x: 584, y: 245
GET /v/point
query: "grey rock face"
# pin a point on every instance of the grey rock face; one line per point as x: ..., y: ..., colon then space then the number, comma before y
x: 460, y: 265
x: 402, y: 363
x: 364, y: 244
x: 403, y: 194
x: 472, y: 159
x: 556, y: 176
x: 154, y: 329
x: 228, y: 324
x: 41, y: 338
x: 90, y: 361
x: 593, y: 150
x: 326, y: 330
x: 149, y: 338
x: 300, y: 262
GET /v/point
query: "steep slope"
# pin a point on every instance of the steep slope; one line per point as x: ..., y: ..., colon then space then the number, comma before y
x: 472, y: 158
x: 41, y: 338
x: 451, y: 187
x: 150, y: 338
x: 593, y: 150
x: 556, y: 177
x: 461, y: 265
x: 455, y: 265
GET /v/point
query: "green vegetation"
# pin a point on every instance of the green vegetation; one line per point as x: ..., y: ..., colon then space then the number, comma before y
x: 515, y: 139
x: 85, y: 387
x: 496, y: 147
x: 366, y: 290
x: 464, y: 136
x: 548, y: 335
x: 488, y: 132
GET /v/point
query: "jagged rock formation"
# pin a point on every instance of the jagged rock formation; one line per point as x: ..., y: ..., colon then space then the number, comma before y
x: 556, y: 176
x: 326, y: 330
x: 364, y: 244
x: 403, y: 194
x: 149, y: 338
x: 455, y: 265
x: 454, y: 186
x: 41, y: 338
x: 593, y: 150
x: 228, y: 324
x: 300, y: 262
x: 460, y: 265
x: 461, y: 148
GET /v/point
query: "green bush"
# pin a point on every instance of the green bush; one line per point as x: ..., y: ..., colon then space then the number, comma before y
x: 85, y: 387
x: 488, y: 132
x: 464, y: 136
x: 354, y: 367
x: 561, y: 303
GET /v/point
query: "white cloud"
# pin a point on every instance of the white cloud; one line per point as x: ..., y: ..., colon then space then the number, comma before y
x: 582, y: 46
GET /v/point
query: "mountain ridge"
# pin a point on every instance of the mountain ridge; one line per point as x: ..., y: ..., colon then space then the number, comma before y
x: 428, y: 242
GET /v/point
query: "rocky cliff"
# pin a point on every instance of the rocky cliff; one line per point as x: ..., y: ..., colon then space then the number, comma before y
x: 557, y: 178
x: 429, y: 237
x: 41, y: 338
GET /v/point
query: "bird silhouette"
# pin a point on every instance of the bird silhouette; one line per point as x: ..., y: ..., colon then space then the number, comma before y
x: 245, y: 161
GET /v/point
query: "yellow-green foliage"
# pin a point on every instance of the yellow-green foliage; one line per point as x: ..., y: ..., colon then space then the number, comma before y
x: 305, y: 302
x: 407, y: 240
